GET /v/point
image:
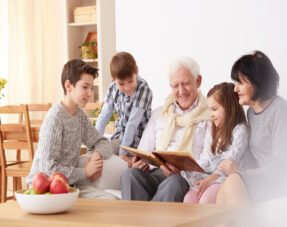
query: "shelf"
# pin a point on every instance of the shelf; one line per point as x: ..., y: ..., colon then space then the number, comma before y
x: 102, y: 28
x: 82, y: 24
x: 90, y: 60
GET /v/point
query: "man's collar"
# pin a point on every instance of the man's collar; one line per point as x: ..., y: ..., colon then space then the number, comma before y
x: 178, y: 110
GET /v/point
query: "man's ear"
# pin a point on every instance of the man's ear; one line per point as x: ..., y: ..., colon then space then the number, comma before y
x: 68, y: 86
x: 198, y: 81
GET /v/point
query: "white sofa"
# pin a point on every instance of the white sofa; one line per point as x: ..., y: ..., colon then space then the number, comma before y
x: 110, y: 179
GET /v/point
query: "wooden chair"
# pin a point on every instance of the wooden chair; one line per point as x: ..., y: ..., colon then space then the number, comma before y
x: 33, y: 108
x: 15, y: 136
x: 36, y: 108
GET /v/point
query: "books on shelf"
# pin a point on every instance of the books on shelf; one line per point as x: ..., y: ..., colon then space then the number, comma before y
x: 181, y: 160
x: 85, y: 14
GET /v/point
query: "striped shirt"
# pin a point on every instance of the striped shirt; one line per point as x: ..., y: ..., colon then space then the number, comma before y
x: 125, y: 106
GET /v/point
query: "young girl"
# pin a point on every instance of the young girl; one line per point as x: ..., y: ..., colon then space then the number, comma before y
x: 228, y: 139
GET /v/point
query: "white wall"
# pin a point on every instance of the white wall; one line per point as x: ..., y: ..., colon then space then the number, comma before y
x: 215, y: 33
x: 4, y: 47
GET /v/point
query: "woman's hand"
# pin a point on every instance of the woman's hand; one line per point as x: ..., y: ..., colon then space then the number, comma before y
x: 169, y: 169
x: 228, y: 166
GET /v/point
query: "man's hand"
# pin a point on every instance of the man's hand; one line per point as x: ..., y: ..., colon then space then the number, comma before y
x: 228, y: 166
x: 140, y: 164
x: 169, y: 169
x: 127, y: 159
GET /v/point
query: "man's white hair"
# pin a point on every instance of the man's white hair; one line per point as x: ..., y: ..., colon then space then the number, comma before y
x: 188, y: 63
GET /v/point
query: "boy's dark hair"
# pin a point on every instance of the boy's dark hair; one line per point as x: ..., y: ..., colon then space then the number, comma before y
x: 123, y: 65
x: 224, y: 94
x: 73, y: 70
x: 258, y: 69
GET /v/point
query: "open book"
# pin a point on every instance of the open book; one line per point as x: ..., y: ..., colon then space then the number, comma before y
x: 143, y: 155
x: 181, y: 160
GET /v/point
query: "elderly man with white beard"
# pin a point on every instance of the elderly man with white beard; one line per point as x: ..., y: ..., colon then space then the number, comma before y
x: 181, y: 124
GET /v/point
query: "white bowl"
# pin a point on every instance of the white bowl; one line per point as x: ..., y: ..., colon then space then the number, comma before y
x: 47, y: 203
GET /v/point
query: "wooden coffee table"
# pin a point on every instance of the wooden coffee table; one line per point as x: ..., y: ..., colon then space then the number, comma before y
x: 93, y: 212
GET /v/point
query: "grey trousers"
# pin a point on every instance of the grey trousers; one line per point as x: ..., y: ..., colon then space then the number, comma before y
x: 153, y: 185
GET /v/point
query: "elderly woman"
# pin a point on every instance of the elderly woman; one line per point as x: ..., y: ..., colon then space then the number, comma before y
x: 256, y: 83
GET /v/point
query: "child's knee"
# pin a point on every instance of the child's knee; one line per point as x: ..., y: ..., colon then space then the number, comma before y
x: 209, y: 196
x: 190, y: 197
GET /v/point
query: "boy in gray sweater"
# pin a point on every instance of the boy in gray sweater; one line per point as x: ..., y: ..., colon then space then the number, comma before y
x: 66, y: 127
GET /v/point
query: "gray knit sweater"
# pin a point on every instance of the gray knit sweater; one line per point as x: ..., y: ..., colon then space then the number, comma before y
x: 61, y: 137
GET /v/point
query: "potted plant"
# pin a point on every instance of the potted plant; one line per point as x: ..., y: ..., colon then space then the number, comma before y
x: 110, y: 128
x: 88, y: 50
x: 3, y: 82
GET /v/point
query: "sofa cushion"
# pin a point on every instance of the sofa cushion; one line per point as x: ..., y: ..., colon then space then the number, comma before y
x: 113, y: 168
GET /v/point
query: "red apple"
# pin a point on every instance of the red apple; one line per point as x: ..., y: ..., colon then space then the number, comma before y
x: 41, y: 182
x: 59, y: 185
x: 58, y: 174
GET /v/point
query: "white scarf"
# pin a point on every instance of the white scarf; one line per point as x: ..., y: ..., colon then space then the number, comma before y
x: 198, y: 114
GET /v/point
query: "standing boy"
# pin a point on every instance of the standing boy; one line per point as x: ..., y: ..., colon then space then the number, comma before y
x: 66, y: 127
x: 131, y: 97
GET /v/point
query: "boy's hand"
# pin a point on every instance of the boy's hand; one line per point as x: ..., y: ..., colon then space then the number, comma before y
x: 94, y: 167
x: 96, y: 176
x: 96, y: 155
x: 169, y: 169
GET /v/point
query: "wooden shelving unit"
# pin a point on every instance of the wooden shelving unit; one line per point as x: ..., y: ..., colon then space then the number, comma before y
x: 106, y: 39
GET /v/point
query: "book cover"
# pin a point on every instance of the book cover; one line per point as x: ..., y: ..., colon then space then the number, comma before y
x: 181, y: 160
x: 143, y: 155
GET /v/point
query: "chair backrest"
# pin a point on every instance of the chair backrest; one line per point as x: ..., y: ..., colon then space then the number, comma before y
x: 15, y: 136
x: 36, y: 108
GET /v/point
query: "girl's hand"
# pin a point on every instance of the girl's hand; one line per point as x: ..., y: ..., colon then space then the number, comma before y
x: 169, y: 169
x: 228, y: 166
x: 202, y: 185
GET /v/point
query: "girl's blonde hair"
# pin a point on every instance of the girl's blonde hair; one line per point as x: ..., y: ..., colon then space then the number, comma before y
x: 224, y: 94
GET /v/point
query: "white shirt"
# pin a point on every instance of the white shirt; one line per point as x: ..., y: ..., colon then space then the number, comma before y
x: 157, y: 123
